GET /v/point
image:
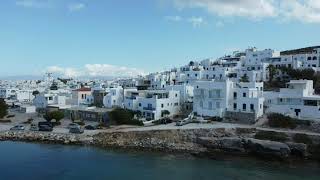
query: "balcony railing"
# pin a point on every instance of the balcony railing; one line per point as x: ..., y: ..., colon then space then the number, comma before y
x: 149, y: 108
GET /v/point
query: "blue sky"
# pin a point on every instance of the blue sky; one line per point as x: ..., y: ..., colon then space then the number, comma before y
x: 124, y: 37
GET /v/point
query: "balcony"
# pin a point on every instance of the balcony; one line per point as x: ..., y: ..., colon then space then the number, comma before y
x: 149, y: 108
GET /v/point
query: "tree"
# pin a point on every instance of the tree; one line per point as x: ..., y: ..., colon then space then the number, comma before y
x: 272, y: 72
x: 3, y: 108
x: 36, y: 92
x: 165, y: 113
x: 191, y: 63
x: 244, y: 78
x: 57, y: 115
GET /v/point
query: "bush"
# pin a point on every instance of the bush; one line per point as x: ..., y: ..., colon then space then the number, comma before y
x: 3, y: 108
x: 11, y: 116
x: 280, y: 121
x: 123, y: 116
x: 5, y: 121
x: 302, y: 138
x: 272, y: 136
x: 57, y: 115
x: 216, y: 118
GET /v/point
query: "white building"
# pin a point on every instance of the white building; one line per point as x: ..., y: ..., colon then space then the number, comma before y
x: 114, y: 98
x: 153, y: 103
x: 242, y: 101
x: 44, y: 99
x: 297, y: 100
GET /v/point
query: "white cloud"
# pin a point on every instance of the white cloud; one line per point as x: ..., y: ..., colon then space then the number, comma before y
x: 76, y: 7
x: 96, y: 70
x: 306, y: 11
x: 243, y: 8
x: 196, y: 21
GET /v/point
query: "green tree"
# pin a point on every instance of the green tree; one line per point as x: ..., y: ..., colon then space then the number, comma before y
x: 3, y: 108
x: 244, y: 78
x: 272, y: 72
x: 165, y: 113
x: 57, y: 115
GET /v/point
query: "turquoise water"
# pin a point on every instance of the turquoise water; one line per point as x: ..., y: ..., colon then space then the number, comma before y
x: 45, y: 162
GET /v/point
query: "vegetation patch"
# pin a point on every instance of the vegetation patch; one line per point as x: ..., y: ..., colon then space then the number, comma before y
x: 280, y: 121
x: 121, y: 116
x: 55, y: 116
x: 302, y: 138
x: 3, y: 108
x: 272, y: 136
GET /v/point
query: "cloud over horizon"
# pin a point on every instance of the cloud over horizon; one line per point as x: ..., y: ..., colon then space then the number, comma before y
x: 95, y: 70
x: 306, y: 11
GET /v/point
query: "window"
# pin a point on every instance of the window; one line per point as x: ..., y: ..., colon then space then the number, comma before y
x: 176, y: 104
x: 252, y: 107
x: 234, y: 106
x: 139, y: 104
x: 176, y: 95
x: 162, y: 105
x: 210, y: 105
x: 244, y: 107
x: 217, y: 105
x: 235, y: 95
x: 201, y: 104
x: 244, y: 95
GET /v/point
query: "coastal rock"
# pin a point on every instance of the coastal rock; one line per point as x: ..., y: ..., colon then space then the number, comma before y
x: 267, y: 148
x: 230, y: 144
x: 298, y: 149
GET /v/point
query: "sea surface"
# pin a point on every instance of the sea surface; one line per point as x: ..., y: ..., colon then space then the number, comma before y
x: 30, y: 161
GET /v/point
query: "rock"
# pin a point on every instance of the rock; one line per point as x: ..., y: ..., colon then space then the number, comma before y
x: 267, y: 148
x: 298, y: 149
x: 230, y: 144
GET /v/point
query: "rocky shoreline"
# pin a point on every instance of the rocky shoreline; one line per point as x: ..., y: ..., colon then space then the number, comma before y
x: 208, y: 142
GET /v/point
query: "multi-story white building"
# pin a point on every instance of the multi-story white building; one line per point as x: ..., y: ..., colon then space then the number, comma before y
x: 297, y: 100
x: 153, y: 103
x: 242, y: 101
x: 114, y: 98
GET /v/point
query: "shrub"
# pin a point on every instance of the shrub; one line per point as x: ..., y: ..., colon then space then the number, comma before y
x: 3, y: 108
x: 216, y: 118
x: 123, y: 116
x: 302, y: 138
x: 272, y: 136
x: 280, y: 121
x: 5, y: 121
x: 57, y: 115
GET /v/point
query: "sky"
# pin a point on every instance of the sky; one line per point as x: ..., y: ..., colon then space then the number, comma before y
x: 92, y: 38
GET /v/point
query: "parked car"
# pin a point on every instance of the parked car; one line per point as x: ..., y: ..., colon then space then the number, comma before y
x: 182, y: 122
x: 34, y: 127
x: 90, y: 127
x: 45, y: 126
x: 76, y: 130
x: 73, y: 125
x: 17, y: 128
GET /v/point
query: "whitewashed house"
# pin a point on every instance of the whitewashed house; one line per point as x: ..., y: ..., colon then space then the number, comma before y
x: 238, y: 101
x: 297, y: 100
x: 153, y: 103
x: 42, y: 100
x: 114, y: 98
